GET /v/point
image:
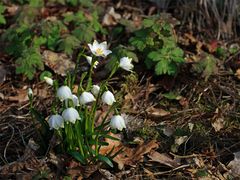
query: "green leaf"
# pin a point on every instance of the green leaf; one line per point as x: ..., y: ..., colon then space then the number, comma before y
x: 139, y: 43
x: 148, y: 22
x: 45, y: 74
x: 68, y: 44
x: 155, y: 56
x: 172, y: 95
x: 105, y: 159
x: 78, y: 156
x: 161, y: 67
x: 30, y: 61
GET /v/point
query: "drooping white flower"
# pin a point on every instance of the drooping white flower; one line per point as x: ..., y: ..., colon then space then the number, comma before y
x: 75, y: 100
x: 70, y: 115
x: 95, y: 90
x: 56, y: 121
x: 108, y: 98
x: 89, y: 60
x: 117, y: 122
x: 48, y: 80
x: 64, y: 92
x: 86, y: 97
x: 126, y: 63
x: 99, y: 49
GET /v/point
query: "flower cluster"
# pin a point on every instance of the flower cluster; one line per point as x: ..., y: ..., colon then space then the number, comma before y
x: 75, y: 113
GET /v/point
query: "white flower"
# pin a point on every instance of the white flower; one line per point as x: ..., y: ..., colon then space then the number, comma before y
x: 70, y: 115
x: 56, y: 121
x: 108, y: 98
x: 99, y: 49
x: 117, y: 122
x: 64, y: 92
x: 126, y: 63
x: 95, y: 90
x: 89, y: 60
x: 75, y: 100
x: 86, y: 97
x: 48, y: 80
x: 30, y: 92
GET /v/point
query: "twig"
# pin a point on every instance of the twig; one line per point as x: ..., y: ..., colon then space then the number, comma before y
x: 5, y: 149
x: 170, y: 171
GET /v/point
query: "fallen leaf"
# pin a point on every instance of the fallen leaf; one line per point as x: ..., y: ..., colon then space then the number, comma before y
x: 218, y: 124
x: 107, y: 174
x: 168, y: 131
x: 3, y: 73
x: 111, y: 17
x: 157, y: 112
x: 60, y: 63
x: 238, y: 73
x: 131, y: 156
x: 20, y: 97
x: 163, y: 158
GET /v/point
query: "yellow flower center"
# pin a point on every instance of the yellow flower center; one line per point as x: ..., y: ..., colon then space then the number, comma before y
x: 99, y: 51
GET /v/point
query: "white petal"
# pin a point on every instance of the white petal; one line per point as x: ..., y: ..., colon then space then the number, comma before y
x: 117, y: 122
x: 75, y: 100
x: 70, y: 115
x: 108, y: 98
x: 95, y: 90
x: 126, y: 63
x: 86, y: 97
x: 56, y: 121
x: 64, y: 92
x: 48, y: 80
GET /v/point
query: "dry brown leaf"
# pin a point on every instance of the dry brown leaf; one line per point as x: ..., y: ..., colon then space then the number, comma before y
x: 60, y: 63
x: 163, y: 159
x: 21, y: 96
x: 131, y: 157
x: 111, y: 17
x: 218, y: 124
x: 157, y: 112
x: 238, y: 73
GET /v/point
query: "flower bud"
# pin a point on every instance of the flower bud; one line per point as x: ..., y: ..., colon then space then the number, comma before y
x: 70, y: 115
x: 95, y: 90
x: 48, y: 80
x: 64, y: 92
x: 126, y: 63
x: 56, y: 121
x: 117, y: 122
x: 30, y: 92
x: 86, y: 97
x: 108, y: 98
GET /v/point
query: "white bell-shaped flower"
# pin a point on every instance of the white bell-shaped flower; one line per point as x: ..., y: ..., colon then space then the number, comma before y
x: 99, y: 49
x: 86, y: 97
x: 95, y: 90
x: 126, y: 63
x: 56, y: 121
x: 75, y: 100
x: 117, y: 122
x: 108, y: 98
x: 48, y: 80
x: 64, y: 92
x: 70, y: 115
x: 89, y: 60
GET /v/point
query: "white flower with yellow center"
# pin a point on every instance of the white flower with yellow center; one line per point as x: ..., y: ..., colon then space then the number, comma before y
x: 99, y: 49
x: 89, y: 60
x: 117, y: 122
x: 126, y: 63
